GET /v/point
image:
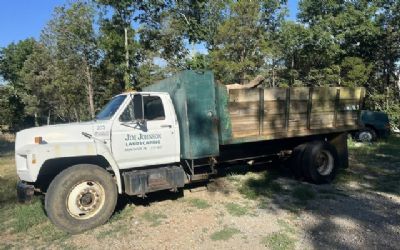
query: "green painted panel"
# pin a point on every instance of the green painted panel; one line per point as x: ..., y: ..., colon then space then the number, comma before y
x: 193, y: 95
x: 225, y: 126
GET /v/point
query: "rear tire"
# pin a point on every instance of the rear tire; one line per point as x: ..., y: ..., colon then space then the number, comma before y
x: 295, y: 161
x: 80, y: 198
x: 320, y: 162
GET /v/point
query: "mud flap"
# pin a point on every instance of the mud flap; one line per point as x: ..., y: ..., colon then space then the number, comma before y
x: 339, y: 141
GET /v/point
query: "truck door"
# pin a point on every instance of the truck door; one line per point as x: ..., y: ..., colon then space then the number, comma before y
x: 152, y: 141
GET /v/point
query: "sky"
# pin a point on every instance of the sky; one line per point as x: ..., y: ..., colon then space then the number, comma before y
x: 21, y: 19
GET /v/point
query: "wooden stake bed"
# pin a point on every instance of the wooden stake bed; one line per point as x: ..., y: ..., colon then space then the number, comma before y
x: 264, y: 114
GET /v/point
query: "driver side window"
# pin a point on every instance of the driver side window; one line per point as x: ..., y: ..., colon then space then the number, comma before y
x: 153, y: 110
x: 128, y: 114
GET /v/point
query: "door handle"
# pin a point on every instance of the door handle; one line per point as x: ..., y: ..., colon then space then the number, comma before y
x: 166, y: 126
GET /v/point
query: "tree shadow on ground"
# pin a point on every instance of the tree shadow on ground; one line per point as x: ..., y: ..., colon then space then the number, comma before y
x: 357, y: 211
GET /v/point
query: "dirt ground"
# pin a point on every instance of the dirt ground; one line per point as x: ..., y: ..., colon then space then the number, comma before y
x: 245, y: 207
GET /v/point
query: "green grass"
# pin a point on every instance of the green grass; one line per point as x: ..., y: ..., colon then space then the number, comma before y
x: 278, y: 241
x: 8, y: 180
x: 286, y: 227
x: 49, y: 233
x: 155, y: 219
x: 125, y: 213
x: 236, y: 209
x: 387, y: 150
x: 27, y: 216
x: 377, y: 168
x: 302, y: 194
x: 225, y: 234
x: 261, y: 186
x: 198, y: 203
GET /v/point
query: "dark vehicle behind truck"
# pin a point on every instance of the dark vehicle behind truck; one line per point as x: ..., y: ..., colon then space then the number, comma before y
x: 375, y: 125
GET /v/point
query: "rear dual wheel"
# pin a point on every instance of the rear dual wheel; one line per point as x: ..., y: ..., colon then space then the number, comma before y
x: 316, y: 162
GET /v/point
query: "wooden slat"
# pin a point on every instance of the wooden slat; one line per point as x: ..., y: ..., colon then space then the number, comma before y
x: 347, y: 115
x: 341, y: 123
x: 298, y: 106
x: 274, y: 107
x: 349, y: 93
x: 244, y: 118
x: 241, y: 134
x: 274, y: 123
x: 298, y: 116
x: 321, y: 121
x: 243, y: 126
x: 349, y: 104
x: 273, y: 94
x: 324, y: 93
x: 323, y: 105
x: 299, y: 93
x: 243, y: 108
x: 244, y: 95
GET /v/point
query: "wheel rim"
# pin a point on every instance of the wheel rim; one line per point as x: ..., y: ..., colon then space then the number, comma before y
x: 324, y: 162
x: 85, y: 200
x: 365, y: 136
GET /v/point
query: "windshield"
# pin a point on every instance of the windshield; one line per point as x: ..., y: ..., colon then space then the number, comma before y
x: 111, y: 107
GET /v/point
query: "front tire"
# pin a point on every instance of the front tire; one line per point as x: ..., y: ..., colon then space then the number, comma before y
x: 81, y: 197
x: 366, y: 135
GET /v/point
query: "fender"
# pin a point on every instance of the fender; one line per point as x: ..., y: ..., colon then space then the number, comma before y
x: 104, y: 151
x: 34, y: 155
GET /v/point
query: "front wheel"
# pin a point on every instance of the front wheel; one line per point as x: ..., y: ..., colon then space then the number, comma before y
x: 366, y: 135
x: 80, y: 198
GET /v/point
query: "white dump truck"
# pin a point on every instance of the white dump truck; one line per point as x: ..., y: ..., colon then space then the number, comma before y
x: 178, y: 131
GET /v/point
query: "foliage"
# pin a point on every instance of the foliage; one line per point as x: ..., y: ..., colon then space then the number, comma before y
x: 92, y: 50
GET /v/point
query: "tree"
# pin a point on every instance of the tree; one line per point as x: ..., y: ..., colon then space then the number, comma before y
x: 37, y: 78
x: 72, y: 39
x: 12, y: 59
x: 118, y: 36
x: 12, y: 109
x: 354, y: 72
x: 236, y: 56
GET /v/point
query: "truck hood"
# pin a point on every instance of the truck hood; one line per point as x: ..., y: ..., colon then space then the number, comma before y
x: 71, y: 132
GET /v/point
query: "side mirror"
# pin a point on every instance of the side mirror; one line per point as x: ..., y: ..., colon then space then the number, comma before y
x: 138, y: 107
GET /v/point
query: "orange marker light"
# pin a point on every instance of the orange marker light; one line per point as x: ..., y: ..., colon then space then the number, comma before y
x: 33, y: 159
x: 38, y: 140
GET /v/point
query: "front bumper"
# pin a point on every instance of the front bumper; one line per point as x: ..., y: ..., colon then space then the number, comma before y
x: 25, y: 192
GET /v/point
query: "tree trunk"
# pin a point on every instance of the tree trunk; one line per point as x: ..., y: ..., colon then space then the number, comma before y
x: 292, y: 67
x: 36, y: 120
x: 90, y: 91
x: 273, y: 73
x: 126, y: 59
x: 48, y: 118
x: 76, y: 115
x: 398, y: 82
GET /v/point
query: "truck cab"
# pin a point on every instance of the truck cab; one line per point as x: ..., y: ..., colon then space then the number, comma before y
x: 151, y: 140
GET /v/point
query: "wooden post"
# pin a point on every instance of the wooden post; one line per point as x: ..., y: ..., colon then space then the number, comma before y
x: 287, y: 108
x: 337, y: 100
x: 360, y: 106
x: 261, y: 112
x: 309, y: 107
